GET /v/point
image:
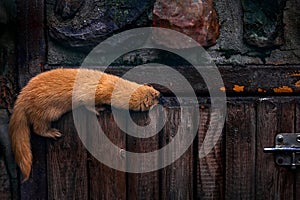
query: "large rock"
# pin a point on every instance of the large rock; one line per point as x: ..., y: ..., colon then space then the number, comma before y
x: 263, y: 25
x: 195, y: 19
x: 86, y: 23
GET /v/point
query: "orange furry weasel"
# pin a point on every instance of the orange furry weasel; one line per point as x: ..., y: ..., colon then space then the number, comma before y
x: 49, y: 95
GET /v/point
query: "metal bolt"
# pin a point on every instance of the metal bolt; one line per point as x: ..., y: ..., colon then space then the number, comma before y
x: 122, y: 153
x: 298, y: 138
x: 279, y: 160
x: 280, y: 138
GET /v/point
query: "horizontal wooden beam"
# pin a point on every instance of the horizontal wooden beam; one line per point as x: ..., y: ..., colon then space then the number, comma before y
x: 238, y: 80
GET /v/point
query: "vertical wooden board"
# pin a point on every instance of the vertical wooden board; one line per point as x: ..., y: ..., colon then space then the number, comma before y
x: 36, y: 186
x: 105, y: 182
x: 8, y: 69
x: 177, y: 181
x: 240, y: 151
x: 143, y: 185
x: 4, y: 181
x: 297, y: 130
x: 8, y: 169
x: 210, y: 180
x: 272, y: 181
x: 67, y: 163
x: 31, y: 50
x: 31, y: 45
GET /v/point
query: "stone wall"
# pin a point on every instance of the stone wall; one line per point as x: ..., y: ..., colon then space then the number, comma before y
x: 234, y: 32
x: 234, y: 45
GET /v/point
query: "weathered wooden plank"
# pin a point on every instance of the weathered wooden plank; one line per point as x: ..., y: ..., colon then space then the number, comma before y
x: 297, y: 130
x: 297, y: 185
x: 66, y: 162
x: 31, y: 50
x: 8, y: 169
x: 143, y: 185
x: 177, y: 181
x: 8, y: 71
x: 105, y: 182
x: 210, y: 180
x: 273, y: 182
x: 31, y: 45
x: 240, y: 150
x: 259, y: 80
x: 36, y: 186
x: 5, y: 192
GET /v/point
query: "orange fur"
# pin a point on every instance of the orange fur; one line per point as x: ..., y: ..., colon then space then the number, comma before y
x: 48, y: 96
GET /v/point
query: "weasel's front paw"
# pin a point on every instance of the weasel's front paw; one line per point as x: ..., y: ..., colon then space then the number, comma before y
x: 52, y: 133
x: 144, y: 98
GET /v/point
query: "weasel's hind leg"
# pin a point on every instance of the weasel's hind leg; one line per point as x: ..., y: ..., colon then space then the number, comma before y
x: 43, y: 128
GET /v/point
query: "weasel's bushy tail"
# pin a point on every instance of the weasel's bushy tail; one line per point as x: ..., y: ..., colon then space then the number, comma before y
x: 20, y: 140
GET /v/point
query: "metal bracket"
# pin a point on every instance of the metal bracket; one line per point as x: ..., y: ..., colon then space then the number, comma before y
x: 286, y: 150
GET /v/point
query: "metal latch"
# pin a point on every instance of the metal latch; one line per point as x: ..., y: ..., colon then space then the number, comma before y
x: 286, y: 150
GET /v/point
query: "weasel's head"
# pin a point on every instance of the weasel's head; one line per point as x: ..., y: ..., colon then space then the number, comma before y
x: 143, y: 98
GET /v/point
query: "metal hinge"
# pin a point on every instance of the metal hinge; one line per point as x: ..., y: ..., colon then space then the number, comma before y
x: 286, y: 150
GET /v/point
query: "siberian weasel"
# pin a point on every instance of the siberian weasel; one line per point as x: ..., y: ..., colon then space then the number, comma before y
x: 49, y: 95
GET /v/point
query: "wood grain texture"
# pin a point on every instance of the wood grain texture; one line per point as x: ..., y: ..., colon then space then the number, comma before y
x: 273, y: 182
x: 143, y: 185
x: 297, y: 130
x: 36, y: 186
x: 5, y: 192
x: 240, y: 151
x: 210, y: 180
x: 105, y: 182
x: 8, y: 71
x: 177, y: 179
x: 9, y: 179
x: 31, y: 48
x: 31, y: 45
x: 67, y: 162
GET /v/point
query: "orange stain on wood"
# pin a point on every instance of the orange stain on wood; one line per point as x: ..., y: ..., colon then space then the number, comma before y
x: 261, y: 90
x: 283, y: 89
x: 238, y: 88
x: 223, y: 89
x: 295, y: 74
x: 297, y: 84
